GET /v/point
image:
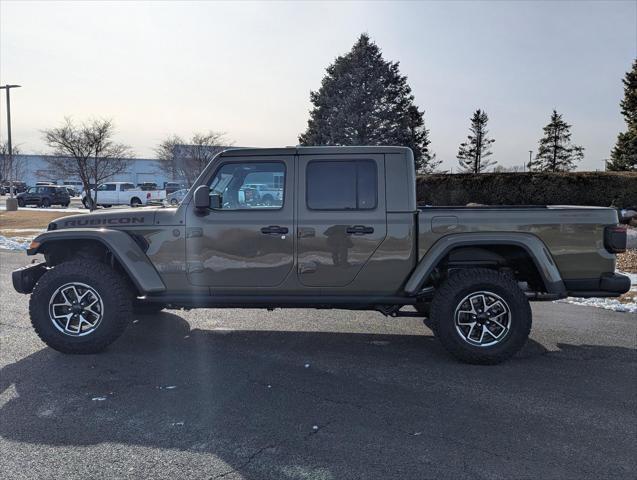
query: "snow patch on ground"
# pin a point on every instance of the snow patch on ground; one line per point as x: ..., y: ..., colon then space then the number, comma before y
x: 605, y: 303
x: 610, y: 303
x: 14, y: 243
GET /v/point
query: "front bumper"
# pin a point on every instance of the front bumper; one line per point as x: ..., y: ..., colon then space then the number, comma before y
x: 608, y: 285
x: 25, y: 278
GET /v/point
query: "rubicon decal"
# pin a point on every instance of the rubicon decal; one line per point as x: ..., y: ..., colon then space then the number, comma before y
x: 83, y: 222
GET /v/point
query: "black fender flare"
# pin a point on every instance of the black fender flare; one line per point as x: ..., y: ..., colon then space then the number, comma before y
x: 536, y: 249
x: 127, y: 252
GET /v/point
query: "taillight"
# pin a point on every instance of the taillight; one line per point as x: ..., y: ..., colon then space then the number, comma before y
x: 148, y: 196
x: 615, y: 239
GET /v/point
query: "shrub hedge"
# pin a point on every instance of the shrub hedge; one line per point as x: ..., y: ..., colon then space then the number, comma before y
x: 618, y: 189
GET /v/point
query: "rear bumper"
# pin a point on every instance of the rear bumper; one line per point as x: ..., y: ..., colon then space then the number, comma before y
x: 25, y: 278
x: 608, y: 285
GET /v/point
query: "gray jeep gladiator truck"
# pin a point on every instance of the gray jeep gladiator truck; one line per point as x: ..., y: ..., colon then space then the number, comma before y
x: 345, y: 233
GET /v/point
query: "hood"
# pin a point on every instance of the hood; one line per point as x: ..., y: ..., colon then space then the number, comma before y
x: 120, y: 218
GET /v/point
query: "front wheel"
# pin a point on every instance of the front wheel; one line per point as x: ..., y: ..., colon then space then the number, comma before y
x: 80, y: 306
x: 481, y: 316
x: 45, y: 203
x: 21, y: 203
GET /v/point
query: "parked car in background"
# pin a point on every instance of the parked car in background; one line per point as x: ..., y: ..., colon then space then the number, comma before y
x: 123, y: 193
x: 268, y: 195
x: 171, y: 187
x: 74, y: 185
x: 18, y: 187
x: 44, y: 196
x: 176, y: 197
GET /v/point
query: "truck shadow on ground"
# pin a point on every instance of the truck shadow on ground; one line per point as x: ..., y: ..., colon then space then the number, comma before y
x: 272, y: 403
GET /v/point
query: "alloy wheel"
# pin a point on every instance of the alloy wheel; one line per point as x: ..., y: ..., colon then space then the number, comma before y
x: 76, y: 309
x: 482, y: 319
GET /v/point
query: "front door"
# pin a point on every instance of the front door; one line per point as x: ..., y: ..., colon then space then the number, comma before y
x: 249, y: 240
x: 341, y: 216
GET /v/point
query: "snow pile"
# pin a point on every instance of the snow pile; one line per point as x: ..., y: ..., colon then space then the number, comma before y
x: 14, y: 243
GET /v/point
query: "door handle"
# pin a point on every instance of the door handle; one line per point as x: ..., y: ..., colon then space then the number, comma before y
x: 359, y: 230
x: 274, y: 230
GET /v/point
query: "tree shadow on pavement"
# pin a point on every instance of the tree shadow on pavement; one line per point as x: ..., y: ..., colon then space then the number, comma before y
x: 280, y: 404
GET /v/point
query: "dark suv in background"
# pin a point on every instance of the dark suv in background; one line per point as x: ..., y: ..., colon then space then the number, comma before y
x: 45, y: 196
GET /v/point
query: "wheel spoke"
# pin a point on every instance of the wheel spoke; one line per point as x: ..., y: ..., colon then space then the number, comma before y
x: 493, y: 334
x: 481, y: 334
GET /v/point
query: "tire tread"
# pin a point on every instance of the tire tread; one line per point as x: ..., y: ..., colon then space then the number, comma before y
x: 117, y: 287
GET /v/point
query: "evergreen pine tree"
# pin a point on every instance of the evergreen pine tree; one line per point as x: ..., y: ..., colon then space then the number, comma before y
x: 555, y: 152
x: 474, y: 153
x: 624, y: 154
x: 364, y: 100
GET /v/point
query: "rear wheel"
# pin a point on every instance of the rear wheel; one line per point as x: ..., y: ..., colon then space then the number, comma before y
x: 135, y: 202
x: 21, y: 202
x: 481, y: 316
x: 46, y: 203
x: 80, y: 307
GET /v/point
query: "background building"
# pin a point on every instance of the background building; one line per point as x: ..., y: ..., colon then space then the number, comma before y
x: 35, y: 168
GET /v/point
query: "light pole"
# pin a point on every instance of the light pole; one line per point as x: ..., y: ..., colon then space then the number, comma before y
x: 12, y: 203
x: 530, y: 155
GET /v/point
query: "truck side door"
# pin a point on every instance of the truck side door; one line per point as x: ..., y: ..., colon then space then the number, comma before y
x: 246, y: 242
x: 341, y: 216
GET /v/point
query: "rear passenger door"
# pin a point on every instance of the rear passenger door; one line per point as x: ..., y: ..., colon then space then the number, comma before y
x: 341, y: 216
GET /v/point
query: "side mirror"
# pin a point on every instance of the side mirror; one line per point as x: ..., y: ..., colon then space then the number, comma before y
x: 215, y: 201
x: 202, y: 197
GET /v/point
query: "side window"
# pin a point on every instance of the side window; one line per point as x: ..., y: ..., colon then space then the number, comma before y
x: 341, y: 185
x: 253, y: 185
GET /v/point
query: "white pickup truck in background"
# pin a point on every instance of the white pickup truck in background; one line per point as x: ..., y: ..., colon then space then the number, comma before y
x: 124, y: 193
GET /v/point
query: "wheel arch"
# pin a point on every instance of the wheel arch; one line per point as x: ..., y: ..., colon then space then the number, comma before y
x: 483, y: 249
x: 60, y: 245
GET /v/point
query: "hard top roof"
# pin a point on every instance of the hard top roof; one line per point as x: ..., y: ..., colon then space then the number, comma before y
x: 298, y: 150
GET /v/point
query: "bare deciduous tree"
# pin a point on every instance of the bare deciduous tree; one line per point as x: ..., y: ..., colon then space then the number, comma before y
x: 87, y: 151
x: 9, y: 168
x: 186, y: 160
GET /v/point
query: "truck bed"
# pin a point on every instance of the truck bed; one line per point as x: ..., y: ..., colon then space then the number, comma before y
x: 574, y: 235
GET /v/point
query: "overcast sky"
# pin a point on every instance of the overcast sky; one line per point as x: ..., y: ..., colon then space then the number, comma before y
x: 247, y: 68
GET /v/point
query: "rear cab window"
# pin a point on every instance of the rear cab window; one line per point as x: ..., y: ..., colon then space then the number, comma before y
x: 341, y: 185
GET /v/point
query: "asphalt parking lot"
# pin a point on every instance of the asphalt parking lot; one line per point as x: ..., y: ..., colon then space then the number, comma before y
x: 300, y: 394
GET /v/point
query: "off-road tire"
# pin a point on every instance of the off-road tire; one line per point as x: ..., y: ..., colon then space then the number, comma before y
x: 449, y: 296
x: 111, y: 287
